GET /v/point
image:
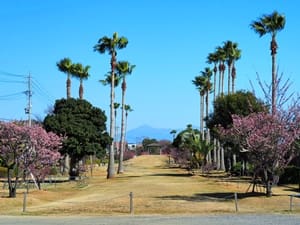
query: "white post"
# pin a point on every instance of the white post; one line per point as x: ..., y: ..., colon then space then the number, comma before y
x: 131, y: 203
x: 236, y: 202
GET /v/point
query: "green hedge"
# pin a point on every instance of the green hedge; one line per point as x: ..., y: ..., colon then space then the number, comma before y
x: 290, y: 175
x: 3, y: 172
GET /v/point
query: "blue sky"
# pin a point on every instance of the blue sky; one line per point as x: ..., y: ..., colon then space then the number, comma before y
x: 168, y: 42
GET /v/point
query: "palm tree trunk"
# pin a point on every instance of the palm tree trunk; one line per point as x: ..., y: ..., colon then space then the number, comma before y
x: 122, y: 143
x: 215, y: 141
x: 274, y: 75
x: 207, y: 130
x: 229, y: 78
x: 233, y: 75
x: 202, y: 116
x: 222, y: 167
x: 81, y: 90
x: 222, y: 77
x: 215, y: 82
x: 218, y: 155
x: 111, y: 161
x: 69, y: 86
x: 215, y: 152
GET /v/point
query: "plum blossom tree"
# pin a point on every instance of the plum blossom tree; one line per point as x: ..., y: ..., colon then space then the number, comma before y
x: 269, y: 141
x: 45, y: 147
x: 26, y: 148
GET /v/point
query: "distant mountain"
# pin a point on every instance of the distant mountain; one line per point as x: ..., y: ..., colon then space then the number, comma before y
x: 138, y: 134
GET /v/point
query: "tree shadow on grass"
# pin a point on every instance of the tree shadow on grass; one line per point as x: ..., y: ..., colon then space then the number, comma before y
x: 209, y: 197
x: 170, y: 175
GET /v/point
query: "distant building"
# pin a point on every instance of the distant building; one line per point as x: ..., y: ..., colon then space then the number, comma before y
x: 131, y: 146
x: 154, y: 149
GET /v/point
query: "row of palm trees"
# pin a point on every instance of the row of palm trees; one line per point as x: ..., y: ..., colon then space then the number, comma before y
x: 119, y: 71
x: 76, y: 70
x: 228, y: 54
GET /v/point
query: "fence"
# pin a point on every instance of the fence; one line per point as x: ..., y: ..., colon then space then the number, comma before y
x: 293, y: 203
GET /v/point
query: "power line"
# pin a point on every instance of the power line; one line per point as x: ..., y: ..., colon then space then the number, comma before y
x: 41, y: 90
x: 12, y: 81
x: 8, y: 97
x: 11, y: 74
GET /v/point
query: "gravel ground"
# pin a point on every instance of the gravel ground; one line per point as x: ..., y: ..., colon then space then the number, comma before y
x: 228, y: 219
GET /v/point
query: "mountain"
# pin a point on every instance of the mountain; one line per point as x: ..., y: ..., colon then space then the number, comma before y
x: 138, y: 134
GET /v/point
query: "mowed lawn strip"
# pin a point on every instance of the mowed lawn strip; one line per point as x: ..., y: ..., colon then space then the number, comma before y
x: 157, y: 189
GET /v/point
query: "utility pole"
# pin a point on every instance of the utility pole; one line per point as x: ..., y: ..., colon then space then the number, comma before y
x: 29, y: 104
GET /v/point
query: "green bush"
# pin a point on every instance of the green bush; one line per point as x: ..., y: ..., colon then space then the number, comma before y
x: 3, y: 172
x: 290, y: 175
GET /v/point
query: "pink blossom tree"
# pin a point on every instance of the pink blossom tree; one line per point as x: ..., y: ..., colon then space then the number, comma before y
x: 26, y: 148
x: 12, y: 143
x: 45, y: 152
x: 269, y: 141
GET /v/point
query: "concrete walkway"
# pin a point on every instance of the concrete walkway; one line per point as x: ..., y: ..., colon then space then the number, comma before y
x: 228, y: 219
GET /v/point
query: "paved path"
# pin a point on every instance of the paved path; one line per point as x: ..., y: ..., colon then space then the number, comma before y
x: 249, y: 219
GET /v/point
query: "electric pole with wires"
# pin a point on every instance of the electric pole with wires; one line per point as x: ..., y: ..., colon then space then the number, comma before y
x: 29, y: 96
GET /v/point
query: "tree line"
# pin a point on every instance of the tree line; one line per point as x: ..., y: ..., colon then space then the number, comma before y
x: 262, y: 133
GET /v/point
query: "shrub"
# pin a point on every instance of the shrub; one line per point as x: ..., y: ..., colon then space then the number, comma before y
x: 128, y: 155
x: 290, y: 175
x: 3, y: 172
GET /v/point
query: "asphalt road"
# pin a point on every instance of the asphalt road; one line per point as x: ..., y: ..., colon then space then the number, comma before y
x: 228, y: 219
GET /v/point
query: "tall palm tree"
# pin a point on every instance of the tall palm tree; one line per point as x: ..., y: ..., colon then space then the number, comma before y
x: 64, y: 66
x: 198, y: 82
x: 213, y: 58
x: 236, y: 56
x: 229, y: 52
x: 116, y: 106
x: 128, y: 109
x: 82, y: 73
x: 232, y: 54
x: 111, y: 45
x: 221, y: 55
x: 207, y: 86
x: 271, y: 24
x: 123, y: 69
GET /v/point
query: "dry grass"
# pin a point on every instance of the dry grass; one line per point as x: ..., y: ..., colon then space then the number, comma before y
x: 157, y: 189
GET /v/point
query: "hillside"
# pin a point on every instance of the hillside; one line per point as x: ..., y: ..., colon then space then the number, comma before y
x: 138, y: 134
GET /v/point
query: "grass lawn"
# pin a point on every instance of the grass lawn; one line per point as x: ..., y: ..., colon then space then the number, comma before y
x: 157, y: 189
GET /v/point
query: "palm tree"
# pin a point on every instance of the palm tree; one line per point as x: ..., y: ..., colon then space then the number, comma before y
x: 107, y: 80
x: 229, y: 52
x: 123, y: 69
x: 198, y: 82
x: 232, y: 54
x: 111, y: 45
x: 64, y: 66
x: 82, y: 73
x: 116, y: 106
x: 271, y: 24
x: 207, y: 86
x: 236, y: 56
x: 221, y: 56
x: 213, y: 58
x: 173, y: 132
x: 127, y: 110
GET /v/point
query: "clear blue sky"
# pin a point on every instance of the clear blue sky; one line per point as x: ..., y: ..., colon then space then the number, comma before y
x: 168, y: 42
